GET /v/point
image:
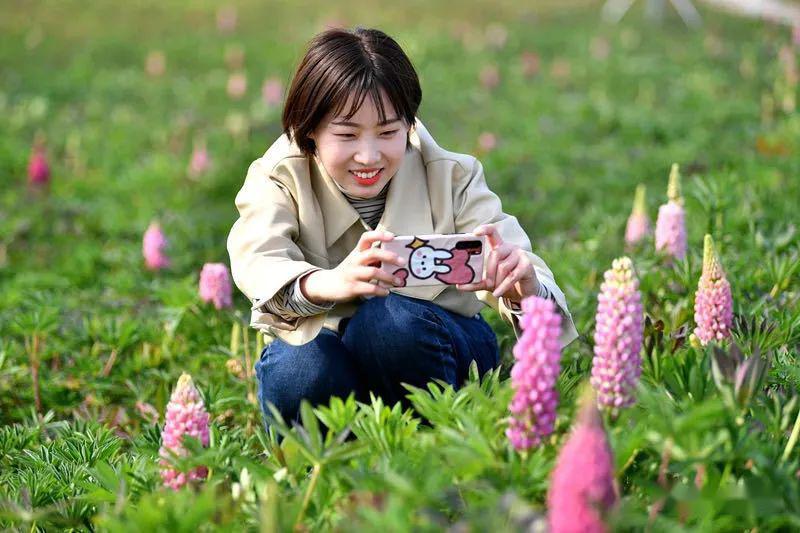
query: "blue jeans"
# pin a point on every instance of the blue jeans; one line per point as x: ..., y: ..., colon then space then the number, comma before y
x: 388, y: 341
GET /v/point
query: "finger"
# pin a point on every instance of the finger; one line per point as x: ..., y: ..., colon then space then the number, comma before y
x: 495, y: 257
x: 508, y: 282
x: 490, y: 231
x: 505, y: 266
x: 362, y: 288
x: 369, y: 237
x: 368, y: 273
x: 378, y: 255
x: 472, y: 287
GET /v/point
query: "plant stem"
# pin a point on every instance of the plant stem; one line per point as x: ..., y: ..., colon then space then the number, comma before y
x: 792, y: 438
x: 110, y: 363
x: 34, y: 361
x: 309, y: 491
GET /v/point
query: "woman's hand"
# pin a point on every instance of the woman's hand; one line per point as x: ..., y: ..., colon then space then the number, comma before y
x: 509, y: 272
x: 355, y: 275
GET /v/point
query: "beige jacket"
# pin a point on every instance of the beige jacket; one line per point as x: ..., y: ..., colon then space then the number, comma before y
x: 293, y: 219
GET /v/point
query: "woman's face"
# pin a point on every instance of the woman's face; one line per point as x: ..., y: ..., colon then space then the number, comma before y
x: 362, y: 154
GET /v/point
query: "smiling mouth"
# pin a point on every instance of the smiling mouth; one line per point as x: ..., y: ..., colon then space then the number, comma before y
x: 367, y: 178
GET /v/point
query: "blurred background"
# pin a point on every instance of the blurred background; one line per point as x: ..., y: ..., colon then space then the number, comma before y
x: 152, y: 111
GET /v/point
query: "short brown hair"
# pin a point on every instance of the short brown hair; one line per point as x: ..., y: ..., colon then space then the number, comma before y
x: 339, y: 63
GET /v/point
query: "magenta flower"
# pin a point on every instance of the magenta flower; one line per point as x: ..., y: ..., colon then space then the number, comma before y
x: 200, y: 162
x: 671, y: 222
x: 713, y: 303
x: 38, y: 167
x: 638, y: 225
x: 617, y: 365
x: 537, y: 364
x: 154, y: 246
x: 215, y: 285
x: 186, y: 415
x: 581, y: 489
x: 272, y: 92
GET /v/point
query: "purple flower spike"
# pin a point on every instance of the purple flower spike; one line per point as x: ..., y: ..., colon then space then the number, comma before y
x: 215, y: 285
x: 581, y: 489
x: 186, y: 415
x: 713, y: 304
x: 618, y: 337
x: 638, y: 225
x: 671, y: 222
x: 538, y: 363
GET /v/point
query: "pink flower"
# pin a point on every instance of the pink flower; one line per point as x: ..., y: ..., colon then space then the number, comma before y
x: 490, y: 77
x: 487, y: 141
x: 200, y: 161
x: 581, y: 489
x: 227, y: 19
x: 272, y: 91
x: 496, y: 35
x: 537, y: 364
x: 616, y: 365
x: 147, y: 411
x: 38, y: 167
x: 215, y: 285
x: 671, y: 222
x: 796, y: 35
x: 237, y: 85
x: 154, y: 245
x: 713, y: 304
x: 530, y: 63
x: 186, y: 415
x: 156, y: 63
x: 638, y: 225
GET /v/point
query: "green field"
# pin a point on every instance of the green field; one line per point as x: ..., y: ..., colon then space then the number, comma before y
x: 609, y: 108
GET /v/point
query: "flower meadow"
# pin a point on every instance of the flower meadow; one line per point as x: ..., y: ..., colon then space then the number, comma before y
x: 655, y: 168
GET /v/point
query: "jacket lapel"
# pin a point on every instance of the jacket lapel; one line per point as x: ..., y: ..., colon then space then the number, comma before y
x: 337, y: 213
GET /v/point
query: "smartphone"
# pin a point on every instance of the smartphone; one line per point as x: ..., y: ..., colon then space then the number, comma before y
x: 452, y: 259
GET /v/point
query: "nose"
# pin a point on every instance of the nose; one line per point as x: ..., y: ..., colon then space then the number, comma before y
x: 367, y: 153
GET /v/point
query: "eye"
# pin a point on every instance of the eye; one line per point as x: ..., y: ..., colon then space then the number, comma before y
x: 389, y: 133
x: 345, y: 135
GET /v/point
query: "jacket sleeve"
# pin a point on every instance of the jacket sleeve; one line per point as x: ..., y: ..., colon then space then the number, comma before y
x: 261, y: 244
x: 474, y: 204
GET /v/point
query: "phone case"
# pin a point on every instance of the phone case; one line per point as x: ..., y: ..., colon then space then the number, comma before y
x: 438, y: 259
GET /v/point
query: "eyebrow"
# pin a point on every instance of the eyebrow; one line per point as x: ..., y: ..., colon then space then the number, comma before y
x: 357, y: 125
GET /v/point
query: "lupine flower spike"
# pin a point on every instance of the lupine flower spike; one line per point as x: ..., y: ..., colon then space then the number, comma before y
x: 215, y: 285
x: 38, y: 167
x: 200, y: 162
x: 671, y: 223
x: 272, y: 92
x: 154, y: 246
x: 617, y: 363
x: 638, y: 225
x: 186, y: 415
x: 713, y: 304
x: 581, y: 489
x: 537, y: 364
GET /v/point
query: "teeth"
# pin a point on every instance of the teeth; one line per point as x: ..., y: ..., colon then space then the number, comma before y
x: 366, y: 175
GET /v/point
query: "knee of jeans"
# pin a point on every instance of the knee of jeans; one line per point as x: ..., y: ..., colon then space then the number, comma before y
x: 395, y: 326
